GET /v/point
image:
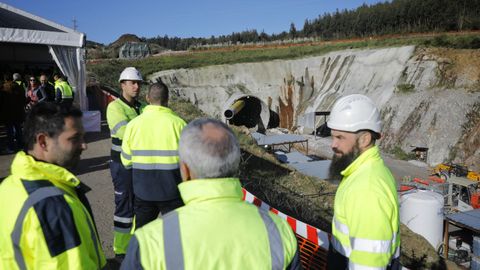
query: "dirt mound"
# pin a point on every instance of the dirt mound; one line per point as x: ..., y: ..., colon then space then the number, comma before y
x: 458, y: 67
x: 98, y: 51
x: 124, y: 38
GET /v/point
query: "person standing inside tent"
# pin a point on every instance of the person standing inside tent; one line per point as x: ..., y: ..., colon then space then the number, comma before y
x: 32, y: 93
x: 46, y: 88
x: 63, y: 91
x: 365, y: 226
x: 13, y: 113
x: 17, y: 78
x: 119, y: 113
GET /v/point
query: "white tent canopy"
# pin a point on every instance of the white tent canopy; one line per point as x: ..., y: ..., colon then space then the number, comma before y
x: 26, y: 38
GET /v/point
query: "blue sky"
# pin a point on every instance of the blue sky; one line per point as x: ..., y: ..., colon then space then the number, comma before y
x: 104, y: 21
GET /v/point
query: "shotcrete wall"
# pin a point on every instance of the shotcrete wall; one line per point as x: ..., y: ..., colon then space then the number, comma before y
x: 417, y: 106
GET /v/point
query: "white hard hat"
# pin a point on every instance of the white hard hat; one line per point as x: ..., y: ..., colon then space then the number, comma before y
x: 353, y: 113
x: 16, y: 76
x: 130, y: 74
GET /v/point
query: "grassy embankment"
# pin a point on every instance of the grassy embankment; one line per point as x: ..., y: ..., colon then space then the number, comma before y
x: 107, y: 70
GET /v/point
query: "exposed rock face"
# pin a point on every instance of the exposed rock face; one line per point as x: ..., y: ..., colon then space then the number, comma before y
x: 424, y: 95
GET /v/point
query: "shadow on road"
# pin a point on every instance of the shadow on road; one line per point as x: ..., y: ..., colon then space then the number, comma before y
x: 97, y: 136
x: 91, y: 165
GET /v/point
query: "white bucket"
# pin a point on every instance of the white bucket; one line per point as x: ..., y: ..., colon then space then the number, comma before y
x: 422, y: 212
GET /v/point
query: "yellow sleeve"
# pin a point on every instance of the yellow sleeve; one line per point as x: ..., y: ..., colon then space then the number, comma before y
x: 117, y: 120
x: 126, y: 155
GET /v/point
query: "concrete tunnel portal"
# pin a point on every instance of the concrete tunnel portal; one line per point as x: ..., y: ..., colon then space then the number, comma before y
x: 250, y: 111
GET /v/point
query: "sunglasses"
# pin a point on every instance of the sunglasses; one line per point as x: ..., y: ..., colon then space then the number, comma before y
x: 32, y: 80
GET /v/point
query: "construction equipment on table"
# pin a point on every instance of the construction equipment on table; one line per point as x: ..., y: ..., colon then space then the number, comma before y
x: 445, y: 170
x: 460, y: 193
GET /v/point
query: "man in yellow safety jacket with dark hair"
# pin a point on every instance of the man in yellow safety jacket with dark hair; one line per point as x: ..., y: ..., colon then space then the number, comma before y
x: 63, y: 91
x: 215, y: 229
x: 150, y: 151
x: 119, y: 113
x: 365, y: 225
x: 46, y: 220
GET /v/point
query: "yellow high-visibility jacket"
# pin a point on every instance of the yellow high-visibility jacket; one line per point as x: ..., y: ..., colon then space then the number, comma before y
x: 215, y: 229
x: 150, y: 149
x: 119, y: 113
x: 366, y: 225
x: 64, y: 88
x: 45, y: 219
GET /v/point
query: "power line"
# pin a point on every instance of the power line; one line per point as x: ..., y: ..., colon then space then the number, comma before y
x: 75, y: 26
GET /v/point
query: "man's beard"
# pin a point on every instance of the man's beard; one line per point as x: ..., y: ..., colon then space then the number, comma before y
x: 67, y: 158
x: 340, y: 163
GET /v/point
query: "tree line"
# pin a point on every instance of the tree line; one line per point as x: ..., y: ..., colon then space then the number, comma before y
x: 394, y: 17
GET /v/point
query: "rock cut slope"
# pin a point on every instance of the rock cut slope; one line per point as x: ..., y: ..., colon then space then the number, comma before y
x: 424, y: 95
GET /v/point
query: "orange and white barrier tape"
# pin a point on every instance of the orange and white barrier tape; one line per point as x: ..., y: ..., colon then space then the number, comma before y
x: 316, y: 236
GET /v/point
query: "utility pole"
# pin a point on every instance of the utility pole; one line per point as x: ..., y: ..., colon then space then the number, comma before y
x: 74, y: 24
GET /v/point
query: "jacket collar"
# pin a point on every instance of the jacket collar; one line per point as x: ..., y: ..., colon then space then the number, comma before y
x: 26, y: 167
x: 157, y: 108
x: 370, y: 154
x: 200, y: 190
x: 134, y: 104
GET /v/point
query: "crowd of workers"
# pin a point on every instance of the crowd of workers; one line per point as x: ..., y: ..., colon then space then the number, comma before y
x: 18, y: 97
x: 186, y: 174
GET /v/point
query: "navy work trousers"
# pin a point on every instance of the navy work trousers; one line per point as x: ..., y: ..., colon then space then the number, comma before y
x: 146, y: 211
x: 122, y: 184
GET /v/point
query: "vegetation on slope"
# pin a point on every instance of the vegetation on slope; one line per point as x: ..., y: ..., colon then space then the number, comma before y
x: 107, y: 70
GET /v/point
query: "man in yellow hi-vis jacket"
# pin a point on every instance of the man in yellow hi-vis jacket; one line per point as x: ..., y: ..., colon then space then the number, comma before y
x: 46, y: 220
x: 150, y: 151
x: 119, y: 113
x: 365, y: 224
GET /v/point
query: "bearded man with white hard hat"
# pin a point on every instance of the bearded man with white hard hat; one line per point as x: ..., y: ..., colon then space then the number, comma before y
x: 365, y: 226
x: 119, y: 113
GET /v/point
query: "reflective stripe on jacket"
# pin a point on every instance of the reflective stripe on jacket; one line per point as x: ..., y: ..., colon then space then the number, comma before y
x: 365, y: 225
x: 45, y: 225
x: 119, y: 113
x: 150, y: 149
x: 214, y: 230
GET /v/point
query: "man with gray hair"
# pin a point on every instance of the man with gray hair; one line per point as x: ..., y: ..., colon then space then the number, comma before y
x: 17, y: 78
x: 215, y: 229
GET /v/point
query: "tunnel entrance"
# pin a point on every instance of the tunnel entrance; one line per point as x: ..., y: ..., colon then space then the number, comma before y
x: 246, y: 111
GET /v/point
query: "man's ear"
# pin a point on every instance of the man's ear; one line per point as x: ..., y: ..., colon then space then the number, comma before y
x: 185, y: 171
x: 147, y: 99
x: 365, y: 139
x: 42, y: 141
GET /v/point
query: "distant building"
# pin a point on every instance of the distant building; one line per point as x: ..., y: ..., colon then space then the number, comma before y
x: 134, y: 50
